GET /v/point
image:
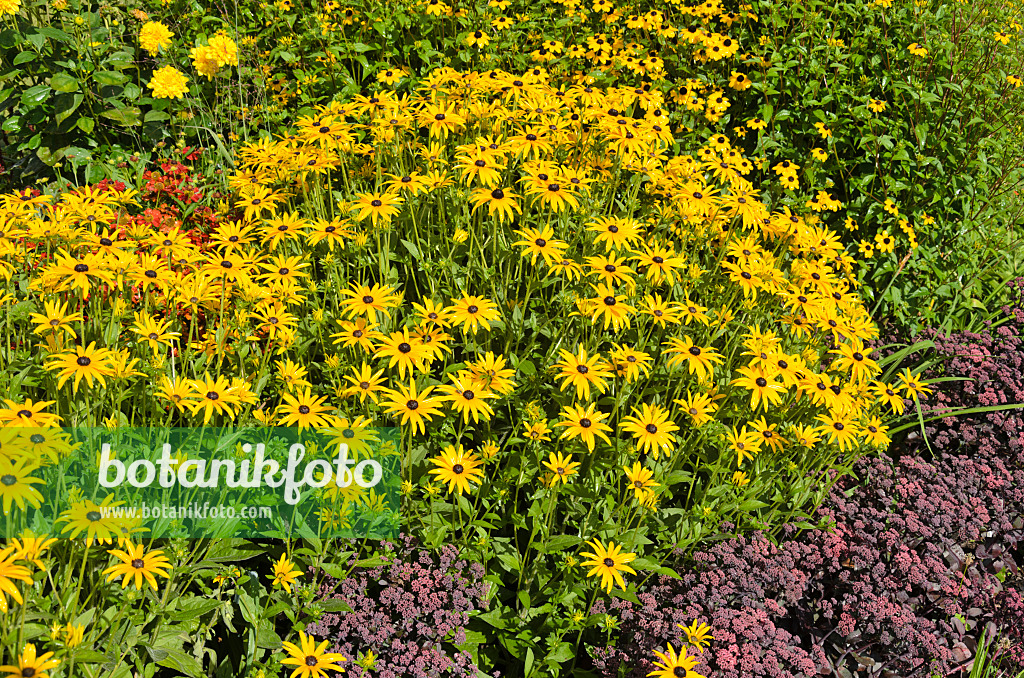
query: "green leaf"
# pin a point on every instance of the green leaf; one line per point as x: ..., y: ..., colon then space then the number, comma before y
x: 109, y: 77
x: 36, y: 95
x: 126, y: 116
x: 563, y: 652
x: 24, y: 58
x: 66, y: 104
x: 177, y: 660
x: 560, y: 542
x: 375, y: 561
x: 55, y: 34
x: 12, y: 124
x: 62, y: 82
x: 85, y: 124
x: 191, y: 607
x: 751, y: 505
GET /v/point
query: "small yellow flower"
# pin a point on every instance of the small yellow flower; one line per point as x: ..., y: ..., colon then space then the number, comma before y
x: 285, y: 574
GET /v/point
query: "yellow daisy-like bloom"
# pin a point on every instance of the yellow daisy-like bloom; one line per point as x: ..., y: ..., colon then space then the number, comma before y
x: 153, y: 36
x: 562, y: 467
x: 30, y: 664
x: 9, y: 573
x: 608, y: 562
x: 458, y: 468
x: 285, y: 573
x: 698, y: 634
x: 137, y: 565
x: 674, y: 665
x: 169, y: 83
x: 311, y: 661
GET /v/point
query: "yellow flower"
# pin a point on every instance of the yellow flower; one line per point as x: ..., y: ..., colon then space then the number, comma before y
x: 169, y: 83
x: 204, y: 62
x: 223, y: 50
x: 138, y: 566
x: 153, y: 36
x: 285, y: 574
x: 609, y: 562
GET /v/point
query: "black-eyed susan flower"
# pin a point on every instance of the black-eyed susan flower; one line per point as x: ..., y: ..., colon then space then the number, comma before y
x: 412, y: 406
x: 403, y: 352
x: 760, y: 381
x: 608, y: 562
x: 651, y: 429
x: 640, y: 480
x: 888, y: 395
x: 472, y: 312
x: 582, y: 371
x: 86, y: 362
x: 138, y: 566
x: 11, y: 572
x: 541, y: 242
x: 585, y: 424
x: 311, y: 660
x: 562, y: 467
x: 55, y: 319
x: 16, y: 481
x: 699, y: 359
x: 304, y: 410
x: 840, y: 428
x: 458, y: 468
x: 674, y: 665
x: 366, y: 300
x: 610, y: 307
x: 377, y: 207
x: 285, y: 574
x: 467, y: 400
x: 30, y: 664
x: 629, y: 363
x: 501, y: 201
x: 912, y: 385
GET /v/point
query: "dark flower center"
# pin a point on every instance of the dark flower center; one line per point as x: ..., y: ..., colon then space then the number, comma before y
x: 761, y: 382
x: 303, y: 409
x: 93, y: 516
x: 212, y: 395
x: 540, y: 242
x: 413, y: 404
x: 404, y: 347
x: 651, y: 428
x: 368, y: 299
x: 497, y: 194
x: 609, y: 301
x: 376, y: 203
x: 81, y: 268
x: 106, y: 242
x: 585, y: 423
x: 311, y: 660
x: 858, y: 356
x: 84, y: 361
x: 473, y: 309
x: 8, y: 480
x: 138, y: 563
x: 458, y: 469
x: 608, y: 562
x: 695, y: 350
x: 658, y: 260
